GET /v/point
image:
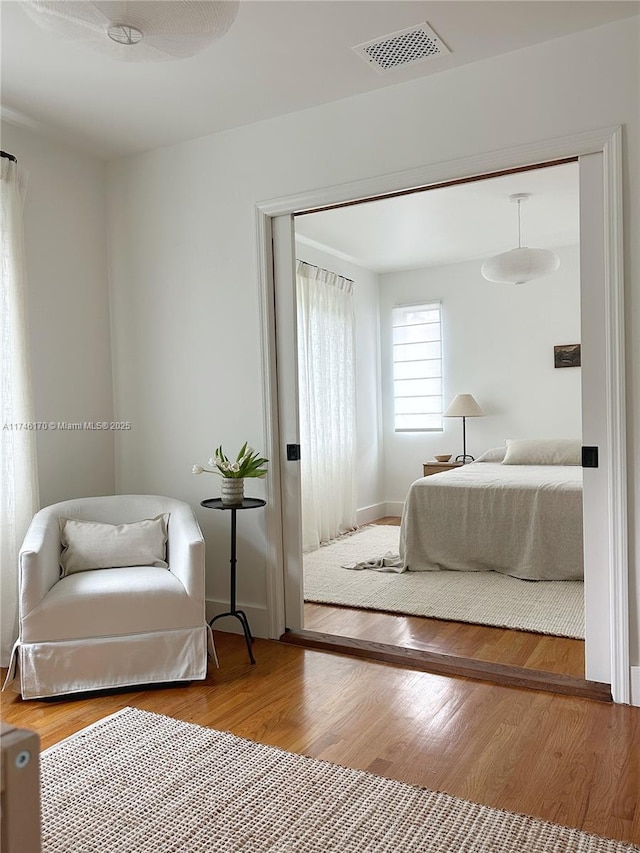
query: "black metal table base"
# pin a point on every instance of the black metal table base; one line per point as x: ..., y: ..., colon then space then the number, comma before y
x: 241, y: 616
x: 247, y: 503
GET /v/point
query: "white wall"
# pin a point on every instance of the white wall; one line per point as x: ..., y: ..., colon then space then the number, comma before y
x: 498, y: 344
x: 369, y: 462
x: 183, y: 250
x: 68, y: 312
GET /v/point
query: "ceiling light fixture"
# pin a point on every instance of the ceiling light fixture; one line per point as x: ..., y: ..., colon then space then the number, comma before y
x: 124, y: 34
x: 522, y: 264
x: 138, y: 30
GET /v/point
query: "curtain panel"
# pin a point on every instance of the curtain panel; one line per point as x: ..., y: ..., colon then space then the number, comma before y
x: 327, y: 402
x: 18, y: 475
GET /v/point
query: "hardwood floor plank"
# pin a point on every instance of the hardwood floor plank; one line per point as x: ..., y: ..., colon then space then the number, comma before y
x: 615, y: 791
x: 555, y: 757
x: 479, y: 768
x: 562, y: 655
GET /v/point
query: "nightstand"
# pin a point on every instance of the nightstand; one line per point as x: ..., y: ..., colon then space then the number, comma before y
x: 430, y: 468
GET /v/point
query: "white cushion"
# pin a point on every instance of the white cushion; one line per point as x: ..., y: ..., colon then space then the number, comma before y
x: 91, y: 545
x: 111, y: 602
x: 544, y: 451
x: 496, y: 454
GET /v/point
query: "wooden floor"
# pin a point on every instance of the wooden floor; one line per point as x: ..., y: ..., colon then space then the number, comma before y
x: 568, y: 760
x: 481, y: 642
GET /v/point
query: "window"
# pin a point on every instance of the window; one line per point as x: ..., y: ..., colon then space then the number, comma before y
x: 417, y: 367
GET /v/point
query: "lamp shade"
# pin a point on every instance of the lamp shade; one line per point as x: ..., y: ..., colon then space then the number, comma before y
x: 137, y: 30
x: 520, y: 265
x: 464, y: 406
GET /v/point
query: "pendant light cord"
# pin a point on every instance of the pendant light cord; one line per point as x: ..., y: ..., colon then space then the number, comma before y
x: 519, y: 240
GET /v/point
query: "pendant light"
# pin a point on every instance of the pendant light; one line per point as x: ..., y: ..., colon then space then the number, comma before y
x: 522, y: 264
x: 136, y: 30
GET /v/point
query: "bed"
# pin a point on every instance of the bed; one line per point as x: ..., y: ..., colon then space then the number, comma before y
x: 523, y: 520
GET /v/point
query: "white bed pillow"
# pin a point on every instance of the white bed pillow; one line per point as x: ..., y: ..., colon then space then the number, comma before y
x: 544, y: 451
x: 88, y: 545
x: 496, y: 454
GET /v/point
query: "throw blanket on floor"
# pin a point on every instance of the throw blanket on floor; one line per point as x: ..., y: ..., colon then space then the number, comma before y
x: 389, y: 563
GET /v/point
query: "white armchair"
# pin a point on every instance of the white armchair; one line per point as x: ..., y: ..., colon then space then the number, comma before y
x: 111, y: 627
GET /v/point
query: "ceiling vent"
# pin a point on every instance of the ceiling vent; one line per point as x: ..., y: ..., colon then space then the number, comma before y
x: 415, y: 44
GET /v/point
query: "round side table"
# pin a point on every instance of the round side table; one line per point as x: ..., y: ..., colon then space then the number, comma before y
x: 240, y: 615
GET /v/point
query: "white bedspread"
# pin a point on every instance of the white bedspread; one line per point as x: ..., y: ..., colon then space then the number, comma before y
x: 520, y: 520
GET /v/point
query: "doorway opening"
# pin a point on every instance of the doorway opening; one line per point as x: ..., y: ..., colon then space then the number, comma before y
x: 603, y: 357
x: 497, y: 340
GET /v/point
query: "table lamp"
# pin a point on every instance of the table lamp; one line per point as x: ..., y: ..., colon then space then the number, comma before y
x: 464, y: 406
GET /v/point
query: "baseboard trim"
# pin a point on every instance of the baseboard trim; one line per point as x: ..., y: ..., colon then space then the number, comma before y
x: 452, y: 665
x: 395, y: 508
x: 370, y: 513
x: 635, y: 686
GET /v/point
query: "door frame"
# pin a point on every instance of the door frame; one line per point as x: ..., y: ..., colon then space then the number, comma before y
x: 604, y: 141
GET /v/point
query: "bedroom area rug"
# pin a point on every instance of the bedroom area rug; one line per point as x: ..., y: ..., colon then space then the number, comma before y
x: 139, y: 781
x: 486, y: 598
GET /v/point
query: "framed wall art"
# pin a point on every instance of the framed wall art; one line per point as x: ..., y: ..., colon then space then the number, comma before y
x: 566, y: 355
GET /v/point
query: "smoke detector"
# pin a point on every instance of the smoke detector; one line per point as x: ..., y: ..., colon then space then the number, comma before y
x: 404, y: 47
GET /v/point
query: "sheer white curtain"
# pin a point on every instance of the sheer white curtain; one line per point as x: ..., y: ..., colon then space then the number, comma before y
x: 326, y: 377
x: 18, y: 477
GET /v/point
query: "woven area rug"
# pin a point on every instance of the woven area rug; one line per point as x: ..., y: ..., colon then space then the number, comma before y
x: 137, y: 782
x: 487, y: 598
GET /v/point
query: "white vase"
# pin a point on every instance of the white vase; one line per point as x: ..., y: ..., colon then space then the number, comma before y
x: 232, y: 491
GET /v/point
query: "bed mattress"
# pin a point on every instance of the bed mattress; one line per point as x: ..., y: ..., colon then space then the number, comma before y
x: 520, y: 520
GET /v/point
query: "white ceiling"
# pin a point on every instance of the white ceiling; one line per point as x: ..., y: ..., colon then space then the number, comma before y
x: 451, y: 224
x: 278, y: 57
